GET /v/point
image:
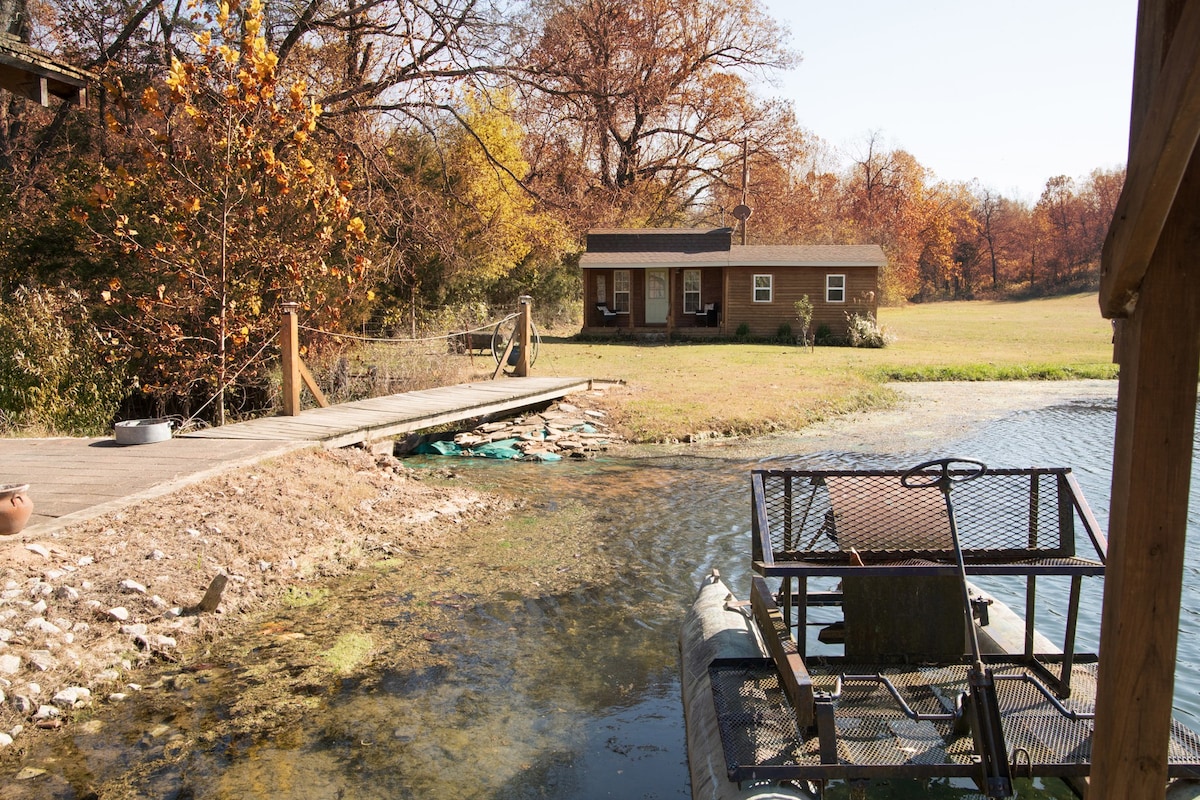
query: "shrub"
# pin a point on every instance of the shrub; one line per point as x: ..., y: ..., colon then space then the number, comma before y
x: 823, y: 335
x: 784, y: 334
x: 742, y: 331
x: 804, y: 313
x: 864, y: 332
x: 57, y: 372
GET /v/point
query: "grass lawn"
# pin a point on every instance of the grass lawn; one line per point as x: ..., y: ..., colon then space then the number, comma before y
x: 746, y: 389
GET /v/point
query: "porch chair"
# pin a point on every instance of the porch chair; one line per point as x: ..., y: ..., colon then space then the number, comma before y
x: 607, y: 317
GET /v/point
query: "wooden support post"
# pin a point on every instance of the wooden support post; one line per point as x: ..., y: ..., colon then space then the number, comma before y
x: 289, y: 350
x: 524, y: 336
x: 1156, y: 407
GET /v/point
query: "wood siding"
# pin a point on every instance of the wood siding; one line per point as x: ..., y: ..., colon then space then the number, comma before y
x: 732, y: 288
x: 789, y: 285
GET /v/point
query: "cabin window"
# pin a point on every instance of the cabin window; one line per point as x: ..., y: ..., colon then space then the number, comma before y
x: 763, y: 288
x: 621, y: 291
x: 601, y: 291
x: 835, y: 288
x: 691, y: 291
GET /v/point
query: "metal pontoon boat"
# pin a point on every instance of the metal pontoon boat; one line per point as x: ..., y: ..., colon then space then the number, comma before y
x: 936, y: 678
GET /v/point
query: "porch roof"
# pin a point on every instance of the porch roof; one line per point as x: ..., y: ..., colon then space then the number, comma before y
x: 752, y: 255
x: 37, y: 76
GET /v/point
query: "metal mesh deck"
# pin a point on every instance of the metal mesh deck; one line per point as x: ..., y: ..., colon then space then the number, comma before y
x: 876, y: 739
x: 1003, y: 516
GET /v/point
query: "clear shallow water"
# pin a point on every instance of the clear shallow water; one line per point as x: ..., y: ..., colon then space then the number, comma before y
x: 575, y: 695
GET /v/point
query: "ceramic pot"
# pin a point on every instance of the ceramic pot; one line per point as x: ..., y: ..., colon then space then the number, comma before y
x: 15, y: 507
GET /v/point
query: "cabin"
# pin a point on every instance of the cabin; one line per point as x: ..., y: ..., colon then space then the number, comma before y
x: 698, y: 283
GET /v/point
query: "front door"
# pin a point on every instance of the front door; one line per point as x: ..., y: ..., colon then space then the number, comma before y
x: 657, y: 304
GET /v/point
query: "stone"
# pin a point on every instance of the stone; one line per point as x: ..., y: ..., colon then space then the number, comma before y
x: 117, y: 697
x: 73, y: 697
x: 47, y: 712
x: 120, y: 613
x: 5, y: 740
x: 54, y: 574
x: 5, y: 634
x: 23, y: 703
x: 80, y: 627
x: 130, y: 585
x: 107, y: 676
x: 136, y: 629
x: 155, y: 641
x: 38, y: 608
x: 40, y: 659
x: 42, y: 626
x: 158, y: 602
x: 85, y: 561
x: 10, y: 664
x: 34, y: 689
x: 68, y: 593
x: 156, y: 555
x: 40, y: 549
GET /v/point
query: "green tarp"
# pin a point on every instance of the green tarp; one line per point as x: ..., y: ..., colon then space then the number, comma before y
x: 502, y: 449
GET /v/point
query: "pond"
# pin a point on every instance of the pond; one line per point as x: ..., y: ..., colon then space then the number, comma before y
x: 576, y: 695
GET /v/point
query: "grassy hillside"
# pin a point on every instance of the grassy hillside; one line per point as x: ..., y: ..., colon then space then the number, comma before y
x: 675, y: 389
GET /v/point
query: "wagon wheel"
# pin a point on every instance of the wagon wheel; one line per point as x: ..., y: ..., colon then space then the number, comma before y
x: 504, y: 331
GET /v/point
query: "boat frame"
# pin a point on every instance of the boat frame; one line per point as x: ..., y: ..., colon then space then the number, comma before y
x: 893, y: 705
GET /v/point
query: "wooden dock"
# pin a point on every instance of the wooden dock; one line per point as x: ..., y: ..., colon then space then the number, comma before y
x: 72, y: 480
x: 345, y: 424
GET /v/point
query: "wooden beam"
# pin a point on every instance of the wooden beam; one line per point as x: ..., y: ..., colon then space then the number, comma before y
x: 311, y: 383
x: 524, y: 336
x: 793, y: 675
x: 289, y: 352
x: 1152, y: 460
x: 1164, y: 129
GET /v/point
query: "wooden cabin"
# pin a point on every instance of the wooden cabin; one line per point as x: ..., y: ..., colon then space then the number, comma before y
x: 699, y: 283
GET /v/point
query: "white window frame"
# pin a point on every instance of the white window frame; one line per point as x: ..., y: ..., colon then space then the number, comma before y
x: 763, y: 283
x: 691, y: 295
x: 601, y: 291
x: 835, y: 294
x: 621, y: 296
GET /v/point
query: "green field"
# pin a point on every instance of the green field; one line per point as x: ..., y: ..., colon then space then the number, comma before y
x: 745, y: 389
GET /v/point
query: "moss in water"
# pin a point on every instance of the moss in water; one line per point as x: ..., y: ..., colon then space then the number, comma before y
x: 350, y: 651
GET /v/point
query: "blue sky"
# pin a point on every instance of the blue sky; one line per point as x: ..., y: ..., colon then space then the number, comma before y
x: 1009, y: 93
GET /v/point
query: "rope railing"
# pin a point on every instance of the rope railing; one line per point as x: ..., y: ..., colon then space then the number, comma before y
x: 295, y: 373
x: 399, y: 340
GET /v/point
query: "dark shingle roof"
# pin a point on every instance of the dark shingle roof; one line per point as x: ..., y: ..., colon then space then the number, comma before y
x: 754, y: 255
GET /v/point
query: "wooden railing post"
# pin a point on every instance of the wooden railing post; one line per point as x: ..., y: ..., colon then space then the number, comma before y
x: 289, y: 349
x: 525, y: 336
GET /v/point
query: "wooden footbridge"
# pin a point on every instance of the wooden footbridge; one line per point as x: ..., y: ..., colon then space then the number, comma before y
x: 351, y: 423
x: 72, y: 480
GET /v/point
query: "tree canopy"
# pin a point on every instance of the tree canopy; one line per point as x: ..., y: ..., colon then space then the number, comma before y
x: 380, y: 162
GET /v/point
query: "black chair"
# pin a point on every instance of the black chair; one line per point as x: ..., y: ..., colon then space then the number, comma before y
x: 607, y: 317
x: 713, y: 313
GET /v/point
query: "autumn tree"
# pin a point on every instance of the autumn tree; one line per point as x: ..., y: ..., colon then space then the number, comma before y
x: 228, y: 210
x: 646, y: 102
